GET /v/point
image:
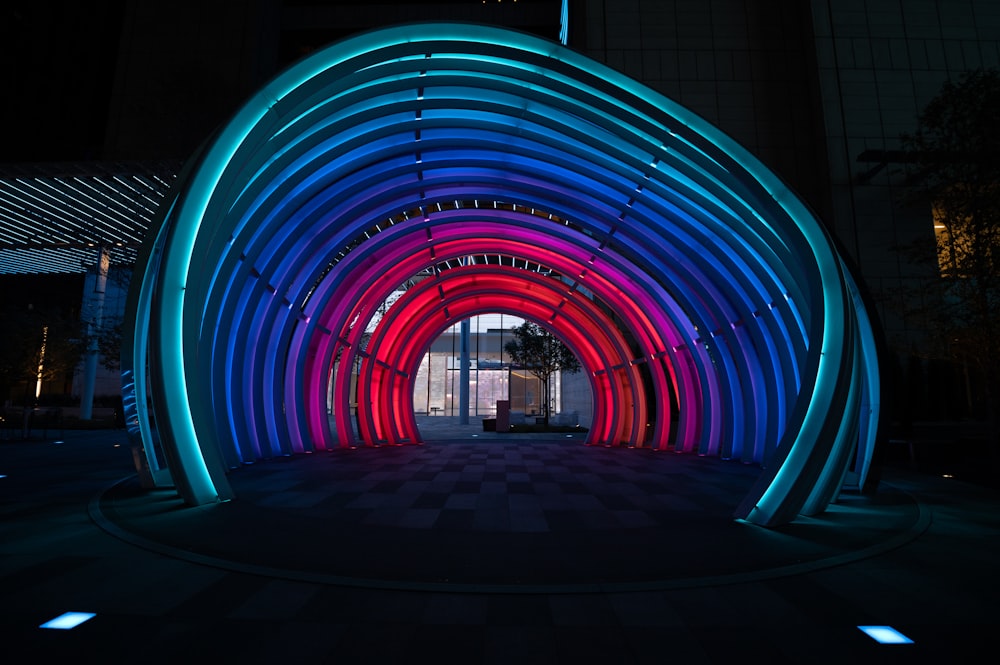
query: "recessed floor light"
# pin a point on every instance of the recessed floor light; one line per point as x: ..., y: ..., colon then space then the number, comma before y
x: 886, y: 635
x: 68, y: 620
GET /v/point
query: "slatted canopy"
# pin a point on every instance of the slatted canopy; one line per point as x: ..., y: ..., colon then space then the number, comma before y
x: 706, y: 303
x: 54, y: 215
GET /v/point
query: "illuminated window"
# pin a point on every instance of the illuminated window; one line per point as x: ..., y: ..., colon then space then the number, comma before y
x: 953, y: 243
x: 965, y: 230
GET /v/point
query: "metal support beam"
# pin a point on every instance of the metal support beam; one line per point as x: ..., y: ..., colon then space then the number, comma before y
x: 95, y: 287
x: 464, y: 373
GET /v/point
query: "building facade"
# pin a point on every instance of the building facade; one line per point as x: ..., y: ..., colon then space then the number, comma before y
x: 819, y: 90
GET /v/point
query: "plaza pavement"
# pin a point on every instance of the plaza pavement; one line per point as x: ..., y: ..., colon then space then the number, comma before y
x: 482, y: 547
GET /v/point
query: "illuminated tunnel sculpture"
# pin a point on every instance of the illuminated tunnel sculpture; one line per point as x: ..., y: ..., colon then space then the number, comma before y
x: 510, y: 174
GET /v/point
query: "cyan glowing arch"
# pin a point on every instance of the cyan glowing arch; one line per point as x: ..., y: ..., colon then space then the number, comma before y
x: 416, y: 147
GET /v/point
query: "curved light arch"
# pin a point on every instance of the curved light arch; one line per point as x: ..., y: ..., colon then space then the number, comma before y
x: 462, y: 234
x: 270, y: 253
x: 465, y: 291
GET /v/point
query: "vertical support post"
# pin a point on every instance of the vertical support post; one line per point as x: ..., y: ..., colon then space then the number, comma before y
x: 463, y: 388
x: 564, y: 23
x: 93, y: 314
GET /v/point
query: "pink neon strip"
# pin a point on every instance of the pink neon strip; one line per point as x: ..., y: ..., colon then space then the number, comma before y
x: 456, y: 238
x: 468, y: 291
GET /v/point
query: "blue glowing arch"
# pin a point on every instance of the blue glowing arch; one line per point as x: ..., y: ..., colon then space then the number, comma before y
x: 398, y: 149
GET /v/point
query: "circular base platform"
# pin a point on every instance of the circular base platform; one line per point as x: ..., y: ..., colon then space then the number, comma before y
x: 502, y: 515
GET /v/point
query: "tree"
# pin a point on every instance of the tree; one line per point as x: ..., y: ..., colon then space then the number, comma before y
x: 542, y: 354
x: 953, y: 165
x: 36, y: 344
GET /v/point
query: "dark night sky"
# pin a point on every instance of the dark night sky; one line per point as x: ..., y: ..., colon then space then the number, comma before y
x: 57, y: 78
x: 59, y: 67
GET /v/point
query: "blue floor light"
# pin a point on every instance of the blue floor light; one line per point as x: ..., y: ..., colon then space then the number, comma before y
x: 886, y: 635
x: 68, y: 620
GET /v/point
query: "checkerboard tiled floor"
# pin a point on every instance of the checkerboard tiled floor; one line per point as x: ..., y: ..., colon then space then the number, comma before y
x: 508, y: 510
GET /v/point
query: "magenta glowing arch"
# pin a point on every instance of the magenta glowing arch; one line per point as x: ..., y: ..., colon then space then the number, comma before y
x: 462, y: 292
x: 416, y: 148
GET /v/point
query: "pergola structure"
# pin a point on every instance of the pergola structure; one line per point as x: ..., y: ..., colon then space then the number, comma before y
x: 55, y: 218
x: 494, y: 171
x: 65, y: 218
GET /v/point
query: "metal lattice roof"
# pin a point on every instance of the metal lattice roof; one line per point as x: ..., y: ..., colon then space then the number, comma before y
x: 54, y: 215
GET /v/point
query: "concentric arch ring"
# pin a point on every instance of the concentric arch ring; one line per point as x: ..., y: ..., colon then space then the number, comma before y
x: 372, y: 150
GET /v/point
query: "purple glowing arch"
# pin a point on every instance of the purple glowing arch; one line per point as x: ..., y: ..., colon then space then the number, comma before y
x: 416, y: 150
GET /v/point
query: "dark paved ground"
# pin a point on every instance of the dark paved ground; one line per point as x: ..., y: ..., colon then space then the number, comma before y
x: 482, y: 548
